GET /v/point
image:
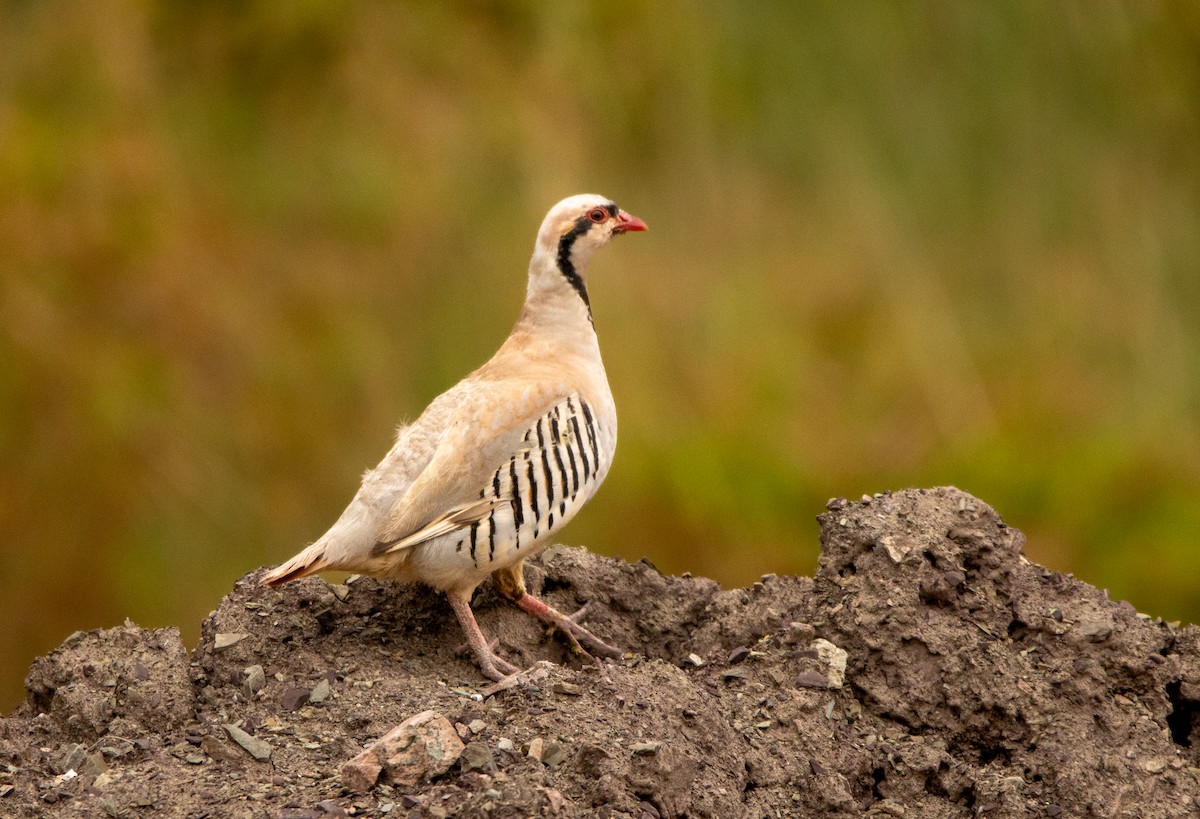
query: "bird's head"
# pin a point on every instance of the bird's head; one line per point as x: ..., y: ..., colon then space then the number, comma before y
x: 576, y: 228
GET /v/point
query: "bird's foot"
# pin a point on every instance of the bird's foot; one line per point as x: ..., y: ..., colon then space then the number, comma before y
x: 496, y: 668
x: 493, y: 667
x: 464, y: 649
x: 491, y: 664
x: 577, y: 635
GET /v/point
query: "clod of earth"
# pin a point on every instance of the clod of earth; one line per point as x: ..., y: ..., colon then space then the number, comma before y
x: 927, y: 670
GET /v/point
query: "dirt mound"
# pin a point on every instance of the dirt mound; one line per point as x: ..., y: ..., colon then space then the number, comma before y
x: 927, y: 670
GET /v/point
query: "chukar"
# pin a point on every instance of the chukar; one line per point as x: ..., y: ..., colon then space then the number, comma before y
x: 501, y: 461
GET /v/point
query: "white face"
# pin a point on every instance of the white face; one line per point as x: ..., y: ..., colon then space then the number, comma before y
x: 565, y: 217
x: 573, y: 230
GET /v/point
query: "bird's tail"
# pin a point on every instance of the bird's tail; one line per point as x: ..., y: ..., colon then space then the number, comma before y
x: 310, y: 561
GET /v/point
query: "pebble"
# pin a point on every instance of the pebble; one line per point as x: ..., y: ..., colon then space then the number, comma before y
x: 320, y: 692
x: 257, y: 748
x: 553, y: 755
x: 695, y: 659
x: 225, y: 640
x: 75, y: 758
x: 218, y: 750
x: 477, y: 726
x: 645, y: 748
x: 420, y: 748
x: 256, y: 679
x: 505, y: 744
x: 293, y: 698
x: 477, y: 757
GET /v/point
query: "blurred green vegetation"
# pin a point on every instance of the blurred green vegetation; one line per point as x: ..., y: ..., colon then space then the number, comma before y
x: 892, y: 244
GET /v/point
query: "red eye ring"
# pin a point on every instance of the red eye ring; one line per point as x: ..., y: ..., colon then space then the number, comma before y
x: 598, y: 215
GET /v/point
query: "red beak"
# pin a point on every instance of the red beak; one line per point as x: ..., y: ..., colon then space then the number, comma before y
x: 627, y: 222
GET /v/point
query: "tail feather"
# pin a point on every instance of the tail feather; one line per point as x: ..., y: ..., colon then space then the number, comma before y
x: 308, y: 562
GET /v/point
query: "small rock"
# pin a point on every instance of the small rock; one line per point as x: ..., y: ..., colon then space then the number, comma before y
x: 256, y: 679
x: 1154, y: 765
x: 293, y: 698
x: 257, y: 748
x: 218, y: 750
x: 361, y: 773
x: 5, y: 790
x: 477, y: 726
x: 566, y: 688
x: 226, y: 640
x: 738, y: 654
x: 834, y: 659
x: 320, y: 692
x: 1096, y: 629
x: 695, y: 659
x: 505, y: 744
x: 898, y: 548
x: 75, y: 758
x: 553, y: 755
x: 557, y: 801
x: 476, y: 756
x: 645, y: 748
x: 340, y: 591
x: 535, y: 748
x: 822, y: 665
x: 419, y: 748
x: 798, y: 632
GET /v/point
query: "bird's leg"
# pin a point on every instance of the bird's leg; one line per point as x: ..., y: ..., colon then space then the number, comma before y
x: 511, y: 586
x: 463, y: 649
x: 492, y: 666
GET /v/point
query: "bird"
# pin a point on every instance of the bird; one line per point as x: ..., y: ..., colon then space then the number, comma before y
x: 501, y: 461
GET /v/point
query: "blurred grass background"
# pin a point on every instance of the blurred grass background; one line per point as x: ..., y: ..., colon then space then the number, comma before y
x: 891, y: 245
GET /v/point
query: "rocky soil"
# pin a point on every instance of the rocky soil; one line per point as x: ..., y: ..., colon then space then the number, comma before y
x: 928, y: 670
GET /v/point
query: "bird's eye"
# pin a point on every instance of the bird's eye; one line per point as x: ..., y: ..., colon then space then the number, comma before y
x: 598, y: 215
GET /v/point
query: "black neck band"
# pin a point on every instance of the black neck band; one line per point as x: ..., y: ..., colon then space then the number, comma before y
x: 566, y: 266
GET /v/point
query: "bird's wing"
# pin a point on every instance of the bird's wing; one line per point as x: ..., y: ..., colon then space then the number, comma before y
x: 442, y: 525
x: 466, y: 480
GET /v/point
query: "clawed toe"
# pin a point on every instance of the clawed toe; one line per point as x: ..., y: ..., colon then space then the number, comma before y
x: 582, y: 641
x: 496, y: 668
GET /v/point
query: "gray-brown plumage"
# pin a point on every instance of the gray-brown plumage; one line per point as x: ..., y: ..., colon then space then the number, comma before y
x: 503, y: 459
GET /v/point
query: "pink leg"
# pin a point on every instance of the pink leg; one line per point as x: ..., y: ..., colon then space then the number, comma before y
x: 575, y: 633
x: 492, y: 666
